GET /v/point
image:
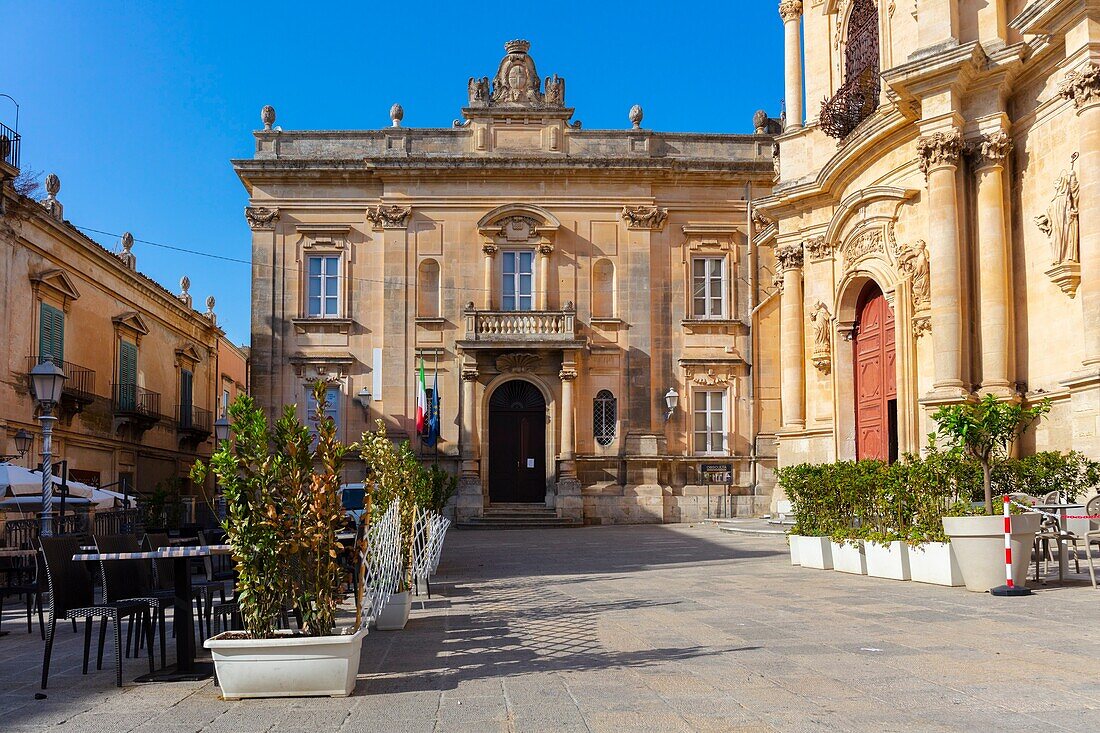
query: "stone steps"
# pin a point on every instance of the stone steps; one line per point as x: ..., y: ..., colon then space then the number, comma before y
x: 517, y: 516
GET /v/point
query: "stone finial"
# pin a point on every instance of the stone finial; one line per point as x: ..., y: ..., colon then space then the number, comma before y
x: 397, y: 113
x: 51, y: 204
x: 127, y: 256
x: 636, y: 116
x: 267, y: 116
x: 184, y: 296
x: 760, y: 122
x: 210, y: 310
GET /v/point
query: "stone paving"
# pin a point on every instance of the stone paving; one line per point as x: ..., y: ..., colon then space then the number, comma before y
x: 644, y: 628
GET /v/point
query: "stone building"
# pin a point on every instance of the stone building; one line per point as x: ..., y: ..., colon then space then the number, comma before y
x: 565, y: 286
x: 937, y: 219
x: 143, y: 367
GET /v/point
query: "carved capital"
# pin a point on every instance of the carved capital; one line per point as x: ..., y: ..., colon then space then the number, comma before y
x: 545, y: 249
x: 1082, y: 86
x: 644, y: 217
x: 489, y: 249
x: 469, y: 374
x: 789, y: 257
x: 389, y: 217
x: 818, y: 248
x: 568, y: 373
x: 992, y: 149
x: 260, y: 217
x: 790, y: 10
x: 938, y: 150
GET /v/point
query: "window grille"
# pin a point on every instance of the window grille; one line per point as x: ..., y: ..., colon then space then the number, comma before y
x: 857, y: 98
x: 604, y: 417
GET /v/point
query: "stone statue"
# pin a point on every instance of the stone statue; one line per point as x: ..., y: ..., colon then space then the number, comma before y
x: 1060, y: 220
x: 820, y: 319
x: 478, y: 90
x: 555, y: 91
x: 913, y: 261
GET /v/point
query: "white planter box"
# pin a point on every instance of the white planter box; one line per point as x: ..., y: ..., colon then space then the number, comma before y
x: 849, y: 557
x: 286, y: 666
x: 979, y: 545
x: 395, y: 614
x: 935, y: 563
x: 815, y: 552
x: 888, y: 561
x: 792, y: 543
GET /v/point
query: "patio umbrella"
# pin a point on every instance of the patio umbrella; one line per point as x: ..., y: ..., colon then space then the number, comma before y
x: 25, y: 503
x: 18, y: 480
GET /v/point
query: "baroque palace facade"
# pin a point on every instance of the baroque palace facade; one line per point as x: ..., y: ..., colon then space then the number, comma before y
x: 585, y: 300
x: 937, y: 219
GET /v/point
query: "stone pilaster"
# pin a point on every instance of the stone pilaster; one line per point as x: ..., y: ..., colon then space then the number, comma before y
x: 994, y: 265
x: 397, y: 392
x: 567, y: 465
x: 267, y: 307
x: 791, y: 339
x: 469, y: 420
x: 791, y: 12
x: 490, y: 251
x: 544, y: 250
x: 939, y: 157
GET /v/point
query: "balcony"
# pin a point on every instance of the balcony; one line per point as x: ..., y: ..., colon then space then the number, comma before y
x: 9, y: 147
x: 487, y: 329
x: 193, y: 424
x: 79, y: 389
x: 854, y: 102
x: 135, y: 405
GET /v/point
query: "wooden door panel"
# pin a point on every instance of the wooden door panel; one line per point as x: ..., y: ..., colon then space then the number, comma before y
x: 875, y: 375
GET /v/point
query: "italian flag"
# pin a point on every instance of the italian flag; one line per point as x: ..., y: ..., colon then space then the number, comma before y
x: 421, y: 401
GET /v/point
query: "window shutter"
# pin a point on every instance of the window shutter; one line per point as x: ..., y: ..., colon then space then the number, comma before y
x: 127, y: 363
x: 51, y: 334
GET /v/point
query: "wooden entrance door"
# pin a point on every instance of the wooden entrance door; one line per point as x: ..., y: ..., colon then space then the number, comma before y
x: 876, y: 380
x: 517, y: 443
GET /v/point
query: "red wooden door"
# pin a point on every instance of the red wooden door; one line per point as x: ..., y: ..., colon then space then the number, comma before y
x: 875, y: 373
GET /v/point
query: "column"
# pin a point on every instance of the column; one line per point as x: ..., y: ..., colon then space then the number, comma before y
x: 469, y: 423
x: 791, y: 12
x: 490, y: 251
x: 398, y: 337
x: 1083, y: 87
x: 567, y: 374
x: 544, y: 250
x: 939, y: 157
x: 793, y: 376
x: 994, y: 266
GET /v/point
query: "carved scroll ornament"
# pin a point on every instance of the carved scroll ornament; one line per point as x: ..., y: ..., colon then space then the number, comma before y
x: 644, y: 217
x: 389, y: 217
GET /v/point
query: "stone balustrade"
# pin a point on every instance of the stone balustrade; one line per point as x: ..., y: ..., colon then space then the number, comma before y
x: 483, y: 325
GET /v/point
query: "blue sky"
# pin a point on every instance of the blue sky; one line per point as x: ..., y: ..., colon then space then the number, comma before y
x: 139, y: 106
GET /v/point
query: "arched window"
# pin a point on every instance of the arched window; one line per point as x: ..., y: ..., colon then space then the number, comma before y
x: 427, y: 289
x: 603, y: 289
x: 857, y: 98
x: 605, y: 415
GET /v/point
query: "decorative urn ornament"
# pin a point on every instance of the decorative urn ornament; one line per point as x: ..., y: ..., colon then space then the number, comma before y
x: 53, y: 184
x: 636, y: 116
x: 267, y: 116
x: 397, y: 113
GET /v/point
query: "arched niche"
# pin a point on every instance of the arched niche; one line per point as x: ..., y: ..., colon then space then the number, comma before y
x: 428, y: 289
x: 603, y: 288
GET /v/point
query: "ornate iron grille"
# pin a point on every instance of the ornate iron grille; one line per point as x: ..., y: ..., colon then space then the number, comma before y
x: 857, y: 98
x: 604, y: 417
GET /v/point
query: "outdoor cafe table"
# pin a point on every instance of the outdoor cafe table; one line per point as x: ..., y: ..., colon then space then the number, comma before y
x: 185, y: 669
x: 1061, y: 510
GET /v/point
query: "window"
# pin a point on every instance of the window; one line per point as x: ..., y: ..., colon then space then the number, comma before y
x: 604, y: 417
x: 187, y: 381
x: 710, y: 422
x: 51, y: 334
x: 427, y: 289
x: 603, y: 289
x: 323, y: 295
x: 332, y: 406
x: 225, y: 401
x: 708, y: 287
x: 517, y: 286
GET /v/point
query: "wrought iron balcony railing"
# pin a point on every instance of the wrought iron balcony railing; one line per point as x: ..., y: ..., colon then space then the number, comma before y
x: 131, y: 400
x: 854, y: 102
x: 521, y: 325
x: 193, y: 419
x: 9, y: 146
x: 79, y: 381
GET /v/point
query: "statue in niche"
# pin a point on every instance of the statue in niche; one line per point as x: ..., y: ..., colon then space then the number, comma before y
x: 820, y: 319
x: 1059, y: 222
x: 913, y: 261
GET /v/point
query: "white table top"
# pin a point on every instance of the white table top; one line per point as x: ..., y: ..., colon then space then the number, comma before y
x: 165, y: 553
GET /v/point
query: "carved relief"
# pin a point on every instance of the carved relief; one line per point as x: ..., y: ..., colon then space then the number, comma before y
x: 818, y: 248
x: 517, y: 83
x: 939, y: 149
x: 761, y: 220
x: 644, y: 217
x: 517, y: 363
x: 821, y: 322
x: 707, y: 377
x: 389, y: 217
x: 1082, y: 87
x: 922, y: 325
x: 789, y: 257
x: 478, y: 91
x: 1060, y: 224
x: 858, y: 247
x: 260, y: 217
x: 517, y: 228
x: 993, y: 149
x: 913, y: 261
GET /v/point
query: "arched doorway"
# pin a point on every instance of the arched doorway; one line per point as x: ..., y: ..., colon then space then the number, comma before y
x: 517, y: 443
x: 875, y: 377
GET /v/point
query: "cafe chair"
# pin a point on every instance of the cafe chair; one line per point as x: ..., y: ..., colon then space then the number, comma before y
x: 28, y: 585
x: 73, y: 597
x: 1092, y: 536
x: 130, y: 580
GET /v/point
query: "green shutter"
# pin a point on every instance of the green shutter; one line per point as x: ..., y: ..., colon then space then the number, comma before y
x: 186, y: 383
x: 127, y: 375
x: 51, y: 333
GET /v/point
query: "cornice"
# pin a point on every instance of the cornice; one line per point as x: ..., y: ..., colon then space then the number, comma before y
x: 1053, y: 18
x: 936, y: 69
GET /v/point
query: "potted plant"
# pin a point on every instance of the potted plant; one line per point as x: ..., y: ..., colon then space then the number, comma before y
x: 984, y: 431
x: 283, y: 511
x: 938, y: 482
x: 805, y: 486
x: 396, y: 475
x: 850, y: 484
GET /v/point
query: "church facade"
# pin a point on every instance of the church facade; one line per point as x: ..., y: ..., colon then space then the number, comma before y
x: 937, y: 220
x: 586, y: 304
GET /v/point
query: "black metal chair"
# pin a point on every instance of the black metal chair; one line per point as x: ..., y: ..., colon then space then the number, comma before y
x: 164, y: 581
x: 28, y: 584
x: 73, y: 597
x: 131, y: 580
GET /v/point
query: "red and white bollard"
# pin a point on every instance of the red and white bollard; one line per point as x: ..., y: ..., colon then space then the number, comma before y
x: 1009, y: 588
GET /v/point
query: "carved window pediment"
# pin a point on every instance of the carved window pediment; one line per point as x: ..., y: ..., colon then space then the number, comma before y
x: 325, y: 367
x: 56, y: 283
x: 132, y: 324
x: 188, y: 354
x: 329, y: 236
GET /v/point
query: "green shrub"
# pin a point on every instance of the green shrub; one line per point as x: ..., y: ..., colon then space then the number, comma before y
x: 1074, y: 474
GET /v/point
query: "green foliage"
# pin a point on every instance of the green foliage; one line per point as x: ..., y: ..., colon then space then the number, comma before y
x: 434, y: 488
x: 1073, y: 474
x: 162, y: 508
x: 395, y: 474
x: 985, y: 430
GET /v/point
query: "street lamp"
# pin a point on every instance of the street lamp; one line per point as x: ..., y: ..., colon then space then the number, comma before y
x: 48, y: 380
x: 23, y: 441
x: 672, y: 398
x: 221, y: 435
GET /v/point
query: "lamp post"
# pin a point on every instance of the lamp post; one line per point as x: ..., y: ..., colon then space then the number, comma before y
x: 23, y: 441
x: 48, y: 380
x: 221, y: 435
